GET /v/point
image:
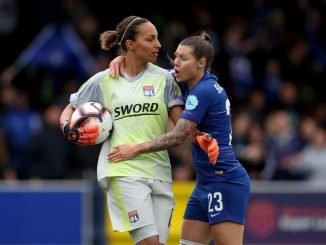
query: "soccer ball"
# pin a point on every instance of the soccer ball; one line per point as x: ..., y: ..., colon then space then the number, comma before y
x: 93, y: 113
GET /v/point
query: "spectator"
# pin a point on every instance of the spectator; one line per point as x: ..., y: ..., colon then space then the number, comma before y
x: 48, y: 156
x: 282, y: 143
x: 311, y: 161
x: 20, y: 124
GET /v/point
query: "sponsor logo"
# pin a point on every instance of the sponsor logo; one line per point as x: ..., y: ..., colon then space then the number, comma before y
x: 213, y: 215
x: 148, y: 91
x: 191, y: 102
x: 135, y: 110
x: 219, y: 172
x: 133, y: 216
x: 114, y: 96
x: 262, y: 218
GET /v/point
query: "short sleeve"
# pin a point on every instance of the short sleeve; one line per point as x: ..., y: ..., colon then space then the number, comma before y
x: 89, y: 91
x: 172, y: 94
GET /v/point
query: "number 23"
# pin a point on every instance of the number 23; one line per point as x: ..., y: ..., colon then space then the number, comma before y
x: 216, y: 197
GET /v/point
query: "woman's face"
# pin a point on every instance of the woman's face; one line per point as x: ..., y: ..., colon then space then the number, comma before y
x: 186, y: 66
x: 146, y: 46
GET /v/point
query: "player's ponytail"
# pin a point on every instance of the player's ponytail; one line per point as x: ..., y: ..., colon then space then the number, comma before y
x: 126, y: 29
x: 108, y: 39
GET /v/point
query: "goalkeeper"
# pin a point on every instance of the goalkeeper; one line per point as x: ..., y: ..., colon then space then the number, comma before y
x: 217, y: 207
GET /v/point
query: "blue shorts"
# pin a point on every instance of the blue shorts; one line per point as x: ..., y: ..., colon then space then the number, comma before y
x: 218, y: 201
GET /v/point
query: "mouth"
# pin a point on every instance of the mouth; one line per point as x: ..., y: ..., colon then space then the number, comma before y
x: 176, y: 72
x: 155, y: 53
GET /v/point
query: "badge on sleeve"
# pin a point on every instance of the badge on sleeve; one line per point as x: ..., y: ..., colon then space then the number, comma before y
x: 191, y: 102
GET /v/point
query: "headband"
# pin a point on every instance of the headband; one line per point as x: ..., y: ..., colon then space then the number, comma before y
x: 127, y: 29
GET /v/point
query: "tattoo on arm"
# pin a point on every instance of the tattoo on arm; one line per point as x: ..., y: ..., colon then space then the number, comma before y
x: 177, y: 136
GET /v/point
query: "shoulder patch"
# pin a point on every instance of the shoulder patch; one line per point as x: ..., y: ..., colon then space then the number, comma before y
x: 191, y: 102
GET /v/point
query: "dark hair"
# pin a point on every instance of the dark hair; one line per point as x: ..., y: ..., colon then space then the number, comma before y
x: 126, y: 29
x: 201, y: 43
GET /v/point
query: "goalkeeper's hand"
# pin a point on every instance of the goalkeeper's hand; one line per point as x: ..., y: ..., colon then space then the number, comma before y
x: 82, y: 136
x: 208, y: 144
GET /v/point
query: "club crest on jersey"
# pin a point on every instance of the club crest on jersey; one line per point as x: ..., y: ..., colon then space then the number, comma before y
x: 133, y: 216
x: 148, y: 91
x: 191, y: 102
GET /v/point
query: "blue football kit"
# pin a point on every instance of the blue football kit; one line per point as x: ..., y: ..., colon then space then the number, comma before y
x: 222, y: 190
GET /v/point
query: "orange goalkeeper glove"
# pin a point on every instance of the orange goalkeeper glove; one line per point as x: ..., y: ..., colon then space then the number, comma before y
x: 83, y: 136
x: 80, y: 135
x: 208, y: 144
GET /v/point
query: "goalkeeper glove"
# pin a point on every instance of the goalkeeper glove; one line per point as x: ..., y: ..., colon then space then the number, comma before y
x: 82, y: 136
x: 208, y: 144
x: 65, y: 128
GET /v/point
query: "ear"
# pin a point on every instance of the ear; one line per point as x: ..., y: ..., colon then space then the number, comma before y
x: 202, y: 63
x: 129, y: 44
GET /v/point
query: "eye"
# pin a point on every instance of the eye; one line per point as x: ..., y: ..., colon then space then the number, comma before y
x: 183, y: 57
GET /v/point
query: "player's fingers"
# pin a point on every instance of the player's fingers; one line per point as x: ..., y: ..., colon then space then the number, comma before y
x: 208, y: 137
x: 213, y: 152
x: 88, y: 139
x: 113, y: 153
x: 114, y: 157
x: 111, y: 72
x: 88, y: 130
x: 113, y: 69
x: 121, y: 71
x: 213, y: 157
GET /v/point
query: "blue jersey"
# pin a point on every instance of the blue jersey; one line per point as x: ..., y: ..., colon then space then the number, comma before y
x: 208, y: 106
x: 222, y: 190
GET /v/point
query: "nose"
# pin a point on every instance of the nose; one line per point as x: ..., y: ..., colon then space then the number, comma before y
x: 158, y: 44
x: 175, y: 62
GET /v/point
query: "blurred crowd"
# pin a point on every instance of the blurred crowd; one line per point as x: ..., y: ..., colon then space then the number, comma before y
x: 270, y: 57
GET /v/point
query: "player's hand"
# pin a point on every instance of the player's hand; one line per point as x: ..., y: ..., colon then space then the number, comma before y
x: 208, y: 144
x: 83, y: 136
x: 117, y: 67
x: 122, y: 153
x: 78, y: 134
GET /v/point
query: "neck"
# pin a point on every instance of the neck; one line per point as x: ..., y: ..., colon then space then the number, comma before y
x: 193, y: 82
x: 133, y: 66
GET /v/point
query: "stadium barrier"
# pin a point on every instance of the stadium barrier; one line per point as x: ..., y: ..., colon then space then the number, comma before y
x: 51, y: 212
x: 282, y: 213
x: 60, y: 212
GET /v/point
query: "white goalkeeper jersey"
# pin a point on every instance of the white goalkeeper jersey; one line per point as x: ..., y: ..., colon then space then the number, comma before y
x: 139, y: 107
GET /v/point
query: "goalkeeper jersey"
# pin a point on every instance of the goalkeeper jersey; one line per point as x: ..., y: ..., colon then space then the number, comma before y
x: 139, y: 106
x: 207, y: 105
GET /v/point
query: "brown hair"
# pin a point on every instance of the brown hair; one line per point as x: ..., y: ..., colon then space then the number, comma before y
x: 126, y: 29
x: 201, y: 43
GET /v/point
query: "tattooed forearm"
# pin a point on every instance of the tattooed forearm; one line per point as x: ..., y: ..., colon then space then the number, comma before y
x: 177, y: 136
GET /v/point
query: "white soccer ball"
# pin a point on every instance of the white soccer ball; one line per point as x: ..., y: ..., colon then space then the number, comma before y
x: 93, y: 113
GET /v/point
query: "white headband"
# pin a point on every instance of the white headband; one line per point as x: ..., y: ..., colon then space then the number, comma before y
x: 127, y: 29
